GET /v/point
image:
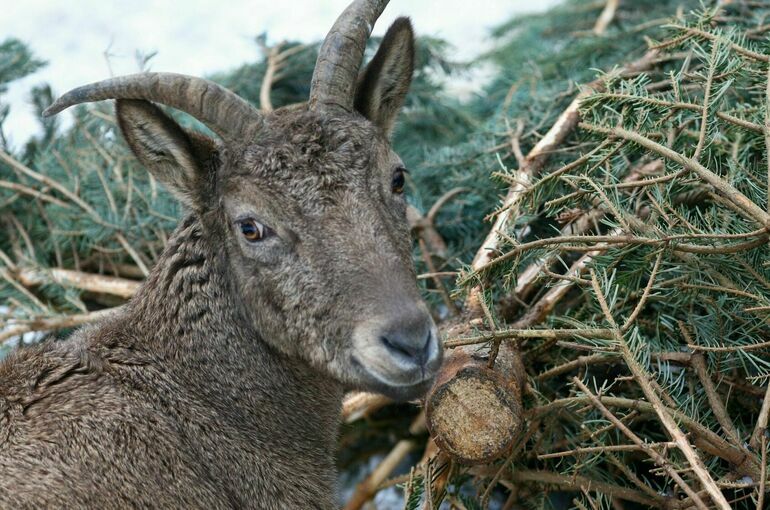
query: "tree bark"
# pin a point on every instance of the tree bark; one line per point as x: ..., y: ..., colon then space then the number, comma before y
x: 474, y: 412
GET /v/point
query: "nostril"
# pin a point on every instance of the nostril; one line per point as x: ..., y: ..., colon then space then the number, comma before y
x: 417, y: 350
x: 397, y: 347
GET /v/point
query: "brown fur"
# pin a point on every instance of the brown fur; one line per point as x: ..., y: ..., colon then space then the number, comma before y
x: 219, y: 385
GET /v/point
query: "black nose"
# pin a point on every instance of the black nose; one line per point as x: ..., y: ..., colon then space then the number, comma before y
x: 406, y: 344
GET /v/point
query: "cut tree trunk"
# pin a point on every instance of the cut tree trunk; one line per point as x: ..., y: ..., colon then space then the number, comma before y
x: 474, y: 412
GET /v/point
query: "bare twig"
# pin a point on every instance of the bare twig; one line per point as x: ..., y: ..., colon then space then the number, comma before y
x: 506, y: 334
x: 606, y: 16
x: 360, y: 404
x: 276, y: 59
x: 543, y: 307
x: 101, y: 284
x: 438, y: 282
x: 54, y: 323
x: 762, y: 420
x: 442, y: 201
x: 580, y: 361
x: 132, y: 253
x: 763, y: 479
x: 369, y: 487
x: 271, y: 55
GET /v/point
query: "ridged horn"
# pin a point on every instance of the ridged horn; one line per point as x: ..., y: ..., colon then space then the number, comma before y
x: 225, y: 113
x: 339, y: 58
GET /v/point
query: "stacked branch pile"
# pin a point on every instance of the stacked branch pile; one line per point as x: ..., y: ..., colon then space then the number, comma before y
x: 604, y: 298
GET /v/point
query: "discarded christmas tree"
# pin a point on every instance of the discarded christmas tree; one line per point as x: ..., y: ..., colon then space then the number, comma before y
x: 608, y: 324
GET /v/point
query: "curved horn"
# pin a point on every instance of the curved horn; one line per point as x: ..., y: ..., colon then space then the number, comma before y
x: 339, y: 58
x: 225, y: 113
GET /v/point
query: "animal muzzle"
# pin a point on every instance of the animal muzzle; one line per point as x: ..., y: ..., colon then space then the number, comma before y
x: 400, y: 350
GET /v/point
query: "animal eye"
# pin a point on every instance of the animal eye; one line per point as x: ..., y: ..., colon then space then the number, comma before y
x: 398, y: 181
x: 253, y: 230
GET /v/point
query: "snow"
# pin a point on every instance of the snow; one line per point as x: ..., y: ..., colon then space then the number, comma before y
x: 88, y: 40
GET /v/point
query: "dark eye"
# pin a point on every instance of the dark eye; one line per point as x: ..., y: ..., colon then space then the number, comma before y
x: 253, y: 230
x: 398, y: 181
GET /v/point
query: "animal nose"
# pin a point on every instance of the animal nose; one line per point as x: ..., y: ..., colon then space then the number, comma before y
x: 405, y: 345
x: 410, y: 339
x: 399, y: 349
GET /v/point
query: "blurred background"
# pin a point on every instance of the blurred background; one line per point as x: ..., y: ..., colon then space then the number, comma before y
x: 88, y: 40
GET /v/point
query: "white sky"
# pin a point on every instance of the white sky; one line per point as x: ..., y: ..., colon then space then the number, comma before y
x: 202, y: 36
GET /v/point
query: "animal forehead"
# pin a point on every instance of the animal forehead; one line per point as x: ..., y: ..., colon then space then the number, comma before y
x: 311, y: 160
x: 299, y: 145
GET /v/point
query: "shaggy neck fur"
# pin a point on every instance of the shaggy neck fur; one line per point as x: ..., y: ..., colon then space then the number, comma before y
x: 188, y: 315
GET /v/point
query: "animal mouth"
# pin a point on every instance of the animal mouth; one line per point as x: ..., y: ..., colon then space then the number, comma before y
x: 385, y: 379
x: 396, y: 382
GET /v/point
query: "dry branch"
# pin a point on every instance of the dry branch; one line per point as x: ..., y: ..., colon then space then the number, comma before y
x: 276, y: 60
x: 97, y: 283
x: 606, y: 16
x: 367, y: 489
x: 359, y: 404
x: 53, y: 323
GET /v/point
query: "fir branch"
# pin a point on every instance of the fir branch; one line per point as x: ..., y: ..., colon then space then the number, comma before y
x: 603, y: 449
x: 535, y: 159
x: 645, y: 295
x: 673, y: 429
x: 562, y: 243
x: 728, y: 191
x: 50, y: 183
x: 20, y: 188
x: 645, y: 447
x: 746, y: 52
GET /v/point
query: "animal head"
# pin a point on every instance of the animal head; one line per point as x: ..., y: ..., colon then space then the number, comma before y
x: 306, y: 202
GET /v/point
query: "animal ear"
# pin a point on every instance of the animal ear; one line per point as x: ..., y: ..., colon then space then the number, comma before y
x: 383, y: 85
x: 176, y: 158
